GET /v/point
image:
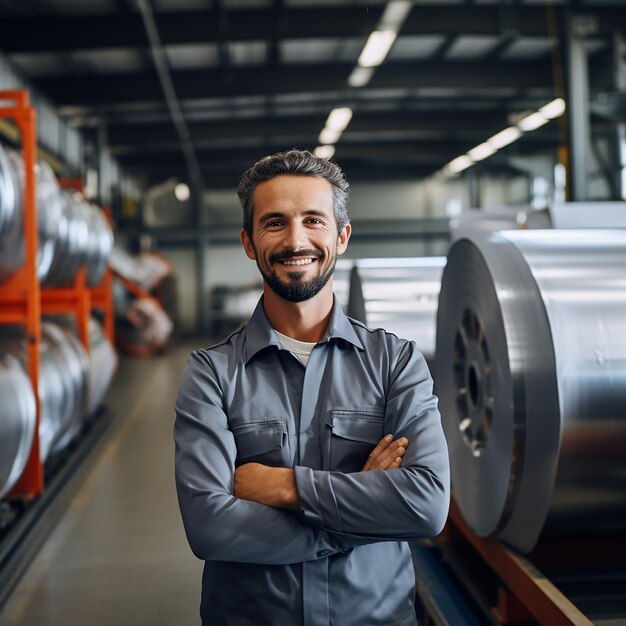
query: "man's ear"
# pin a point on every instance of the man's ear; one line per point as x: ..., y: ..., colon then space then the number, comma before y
x: 344, y: 237
x: 247, y: 244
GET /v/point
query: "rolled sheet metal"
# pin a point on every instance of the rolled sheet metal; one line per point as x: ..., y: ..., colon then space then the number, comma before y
x: 17, y: 421
x: 399, y: 295
x: 531, y: 376
x: 63, y: 375
x: 103, y: 365
x: 49, y: 209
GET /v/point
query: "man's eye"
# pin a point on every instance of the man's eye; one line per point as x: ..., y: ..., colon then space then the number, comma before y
x: 274, y: 224
x: 314, y: 220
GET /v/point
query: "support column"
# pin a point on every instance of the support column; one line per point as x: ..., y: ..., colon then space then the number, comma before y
x: 578, y: 107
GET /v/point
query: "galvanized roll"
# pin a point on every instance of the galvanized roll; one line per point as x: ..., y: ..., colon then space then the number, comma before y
x: 63, y: 375
x: 72, y: 360
x: 17, y: 421
x: 103, y: 365
x: 399, y: 295
x: 531, y: 377
x: 49, y: 208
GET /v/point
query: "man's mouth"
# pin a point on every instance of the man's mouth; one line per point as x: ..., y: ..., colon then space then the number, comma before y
x: 296, y: 262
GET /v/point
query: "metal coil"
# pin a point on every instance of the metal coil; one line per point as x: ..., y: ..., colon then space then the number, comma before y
x: 531, y: 376
x: 71, y: 231
x: 144, y: 327
x: 399, y: 295
x: 63, y: 375
x: 17, y: 421
x: 103, y: 365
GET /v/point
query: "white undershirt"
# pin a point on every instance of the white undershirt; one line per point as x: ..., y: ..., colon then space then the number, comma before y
x: 300, y: 349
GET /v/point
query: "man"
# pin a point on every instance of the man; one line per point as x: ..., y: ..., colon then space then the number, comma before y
x: 308, y: 447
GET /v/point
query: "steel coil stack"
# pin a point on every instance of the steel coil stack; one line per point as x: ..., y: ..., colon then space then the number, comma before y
x: 83, y: 236
x: 400, y: 295
x: 71, y: 231
x: 531, y: 376
x: 103, y: 365
x: 17, y: 421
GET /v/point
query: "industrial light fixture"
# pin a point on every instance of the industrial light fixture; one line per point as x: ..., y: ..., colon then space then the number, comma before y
x: 533, y: 121
x: 378, y: 44
x: 504, y: 137
x: 338, y: 119
x: 360, y: 76
x: 329, y: 135
x: 459, y: 164
x: 553, y: 109
x: 181, y: 191
x: 481, y: 151
x: 324, y: 152
x: 394, y: 14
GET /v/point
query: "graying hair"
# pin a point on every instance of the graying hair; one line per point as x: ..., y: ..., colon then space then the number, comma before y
x: 297, y: 163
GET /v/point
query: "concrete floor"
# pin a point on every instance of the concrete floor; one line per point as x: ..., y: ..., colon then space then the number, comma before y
x: 119, y: 555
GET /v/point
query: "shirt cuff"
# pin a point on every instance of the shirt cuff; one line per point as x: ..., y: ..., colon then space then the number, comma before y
x: 317, y: 499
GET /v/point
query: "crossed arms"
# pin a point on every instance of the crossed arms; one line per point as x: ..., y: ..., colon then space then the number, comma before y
x: 257, y: 514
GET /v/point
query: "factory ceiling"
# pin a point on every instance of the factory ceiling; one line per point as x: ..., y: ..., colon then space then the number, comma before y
x: 199, y: 89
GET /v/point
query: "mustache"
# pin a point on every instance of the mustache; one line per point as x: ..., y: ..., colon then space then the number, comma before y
x: 277, y: 257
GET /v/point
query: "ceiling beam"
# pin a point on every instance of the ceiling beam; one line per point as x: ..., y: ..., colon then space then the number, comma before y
x: 196, y: 84
x: 46, y: 33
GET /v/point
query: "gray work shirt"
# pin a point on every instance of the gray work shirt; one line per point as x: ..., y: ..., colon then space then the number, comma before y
x: 343, y: 558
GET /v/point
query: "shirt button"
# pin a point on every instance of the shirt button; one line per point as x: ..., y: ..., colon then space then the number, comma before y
x: 323, y: 553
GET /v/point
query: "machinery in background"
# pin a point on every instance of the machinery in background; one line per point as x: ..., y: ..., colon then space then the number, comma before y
x: 144, y: 293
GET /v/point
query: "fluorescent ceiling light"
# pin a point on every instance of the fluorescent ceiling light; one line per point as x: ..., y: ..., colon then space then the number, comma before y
x: 459, y: 164
x: 504, y: 137
x: 394, y: 14
x: 324, y: 152
x: 329, y: 135
x: 533, y: 121
x: 360, y: 76
x: 376, y: 48
x: 553, y: 109
x: 480, y: 152
x: 339, y: 119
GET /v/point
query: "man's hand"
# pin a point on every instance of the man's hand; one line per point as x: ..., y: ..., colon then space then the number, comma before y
x: 387, y: 454
x: 273, y: 486
x: 276, y: 486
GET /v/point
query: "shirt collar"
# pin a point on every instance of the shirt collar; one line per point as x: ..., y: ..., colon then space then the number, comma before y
x: 261, y: 335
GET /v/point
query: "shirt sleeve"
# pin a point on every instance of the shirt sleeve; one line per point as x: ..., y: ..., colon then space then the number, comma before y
x: 218, y: 525
x: 405, y: 503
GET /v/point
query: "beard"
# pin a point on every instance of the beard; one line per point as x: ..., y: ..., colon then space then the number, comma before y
x: 297, y: 289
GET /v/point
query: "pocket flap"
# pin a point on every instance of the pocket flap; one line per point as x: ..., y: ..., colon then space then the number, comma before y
x: 357, y: 425
x: 258, y: 438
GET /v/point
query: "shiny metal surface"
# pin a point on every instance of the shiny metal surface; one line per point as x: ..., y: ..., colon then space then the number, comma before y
x: 531, y: 375
x: 17, y: 421
x: 399, y: 295
x: 63, y: 374
x: 103, y: 365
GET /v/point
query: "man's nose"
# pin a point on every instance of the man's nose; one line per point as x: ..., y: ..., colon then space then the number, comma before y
x: 295, y: 237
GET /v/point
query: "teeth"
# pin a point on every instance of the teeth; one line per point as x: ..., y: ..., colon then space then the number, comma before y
x: 298, y: 262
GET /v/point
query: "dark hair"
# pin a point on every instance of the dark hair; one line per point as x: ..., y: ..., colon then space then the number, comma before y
x: 298, y: 163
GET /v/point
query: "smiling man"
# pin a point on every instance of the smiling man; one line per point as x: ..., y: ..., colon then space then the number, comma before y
x: 309, y: 448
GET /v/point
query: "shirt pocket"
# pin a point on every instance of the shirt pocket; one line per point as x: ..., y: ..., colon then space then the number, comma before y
x: 263, y: 441
x: 351, y: 435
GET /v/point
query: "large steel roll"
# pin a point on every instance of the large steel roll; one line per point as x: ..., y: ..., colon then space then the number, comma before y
x: 531, y: 376
x: 399, y: 295
x: 49, y: 209
x: 17, y: 421
x: 103, y: 365
x: 63, y: 375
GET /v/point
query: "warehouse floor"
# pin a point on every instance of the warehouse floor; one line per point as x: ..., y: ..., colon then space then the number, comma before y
x: 119, y: 554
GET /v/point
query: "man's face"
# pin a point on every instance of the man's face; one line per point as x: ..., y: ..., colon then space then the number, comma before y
x: 294, y: 235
